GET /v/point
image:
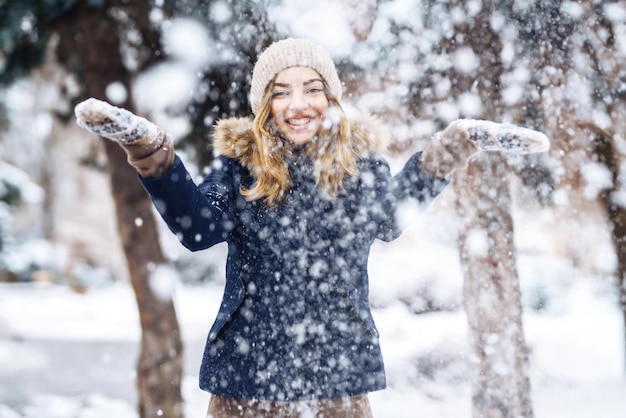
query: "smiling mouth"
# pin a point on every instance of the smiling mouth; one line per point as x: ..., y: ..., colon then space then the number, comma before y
x: 299, y: 121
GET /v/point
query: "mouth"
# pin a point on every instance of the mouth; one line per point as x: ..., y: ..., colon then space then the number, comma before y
x: 299, y: 121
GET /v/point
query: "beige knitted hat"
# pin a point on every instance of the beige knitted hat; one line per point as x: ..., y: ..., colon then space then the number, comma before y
x: 291, y: 53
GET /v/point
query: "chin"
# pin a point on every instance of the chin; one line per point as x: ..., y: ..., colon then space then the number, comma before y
x: 300, y: 140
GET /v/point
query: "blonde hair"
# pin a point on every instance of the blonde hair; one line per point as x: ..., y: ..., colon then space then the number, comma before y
x: 332, y: 152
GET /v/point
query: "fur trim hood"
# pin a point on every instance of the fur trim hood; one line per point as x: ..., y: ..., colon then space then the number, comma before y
x: 234, y: 137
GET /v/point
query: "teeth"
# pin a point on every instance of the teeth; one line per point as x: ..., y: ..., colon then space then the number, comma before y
x: 299, y: 121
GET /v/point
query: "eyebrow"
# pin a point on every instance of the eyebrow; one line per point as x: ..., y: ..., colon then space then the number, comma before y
x: 306, y: 83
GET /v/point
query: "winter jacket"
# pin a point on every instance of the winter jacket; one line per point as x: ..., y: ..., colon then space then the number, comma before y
x: 294, y: 322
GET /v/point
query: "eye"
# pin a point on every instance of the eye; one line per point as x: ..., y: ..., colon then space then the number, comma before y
x: 279, y: 93
x: 315, y: 88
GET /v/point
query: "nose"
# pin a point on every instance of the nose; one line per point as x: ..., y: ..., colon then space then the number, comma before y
x: 298, y: 101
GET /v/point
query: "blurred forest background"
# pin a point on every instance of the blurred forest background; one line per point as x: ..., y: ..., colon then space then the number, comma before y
x: 65, y: 204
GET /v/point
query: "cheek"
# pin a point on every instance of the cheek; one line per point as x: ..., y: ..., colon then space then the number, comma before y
x: 274, y: 110
x: 321, y: 106
x: 278, y: 107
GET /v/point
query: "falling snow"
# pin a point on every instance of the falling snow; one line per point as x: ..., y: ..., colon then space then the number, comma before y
x: 571, y: 317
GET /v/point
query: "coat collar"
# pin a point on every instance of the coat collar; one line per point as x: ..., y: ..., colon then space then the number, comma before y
x: 234, y: 138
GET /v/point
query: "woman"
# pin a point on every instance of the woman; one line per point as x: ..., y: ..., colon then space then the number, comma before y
x: 299, y: 194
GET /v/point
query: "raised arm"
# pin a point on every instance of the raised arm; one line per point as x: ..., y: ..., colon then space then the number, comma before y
x: 200, y: 216
x: 427, y: 173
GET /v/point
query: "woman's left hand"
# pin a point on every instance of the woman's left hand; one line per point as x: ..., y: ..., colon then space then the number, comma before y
x: 453, y: 147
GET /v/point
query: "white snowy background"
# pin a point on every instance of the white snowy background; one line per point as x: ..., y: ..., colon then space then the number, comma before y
x: 72, y: 354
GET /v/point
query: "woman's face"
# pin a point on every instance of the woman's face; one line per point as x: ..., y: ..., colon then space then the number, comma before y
x: 299, y: 103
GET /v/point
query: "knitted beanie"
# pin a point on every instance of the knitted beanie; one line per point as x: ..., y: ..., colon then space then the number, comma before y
x: 291, y: 53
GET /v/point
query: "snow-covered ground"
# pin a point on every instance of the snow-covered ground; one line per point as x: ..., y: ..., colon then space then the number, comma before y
x: 69, y: 354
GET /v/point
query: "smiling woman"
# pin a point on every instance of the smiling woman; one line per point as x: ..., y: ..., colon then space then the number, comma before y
x: 299, y: 193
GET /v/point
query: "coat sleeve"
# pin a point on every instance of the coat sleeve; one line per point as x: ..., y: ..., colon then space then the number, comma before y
x: 390, y: 192
x: 413, y: 183
x: 200, y: 215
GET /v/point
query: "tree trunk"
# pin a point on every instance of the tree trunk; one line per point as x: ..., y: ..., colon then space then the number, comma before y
x: 604, y: 149
x: 492, y: 297
x: 499, y: 358
x: 601, y: 45
x: 159, y: 368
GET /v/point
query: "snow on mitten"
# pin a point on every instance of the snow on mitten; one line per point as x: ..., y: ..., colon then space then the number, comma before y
x: 149, y: 149
x: 453, y: 147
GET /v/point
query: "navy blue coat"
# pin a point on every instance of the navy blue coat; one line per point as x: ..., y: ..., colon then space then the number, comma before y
x: 294, y: 322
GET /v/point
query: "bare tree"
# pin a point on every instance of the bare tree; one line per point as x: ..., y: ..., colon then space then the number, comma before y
x: 492, y: 297
x: 159, y: 368
x: 598, y: 41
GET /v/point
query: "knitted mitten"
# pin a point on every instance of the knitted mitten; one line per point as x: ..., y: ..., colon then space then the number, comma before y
x: 149, y: 150
x: 453, y: 147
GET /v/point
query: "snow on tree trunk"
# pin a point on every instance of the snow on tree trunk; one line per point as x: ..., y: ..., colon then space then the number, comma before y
x: 499, y: 357
x: 159, y: 368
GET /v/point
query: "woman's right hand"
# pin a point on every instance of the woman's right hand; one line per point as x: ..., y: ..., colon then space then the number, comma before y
x: 149, y: 149
x: 114, y: 123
